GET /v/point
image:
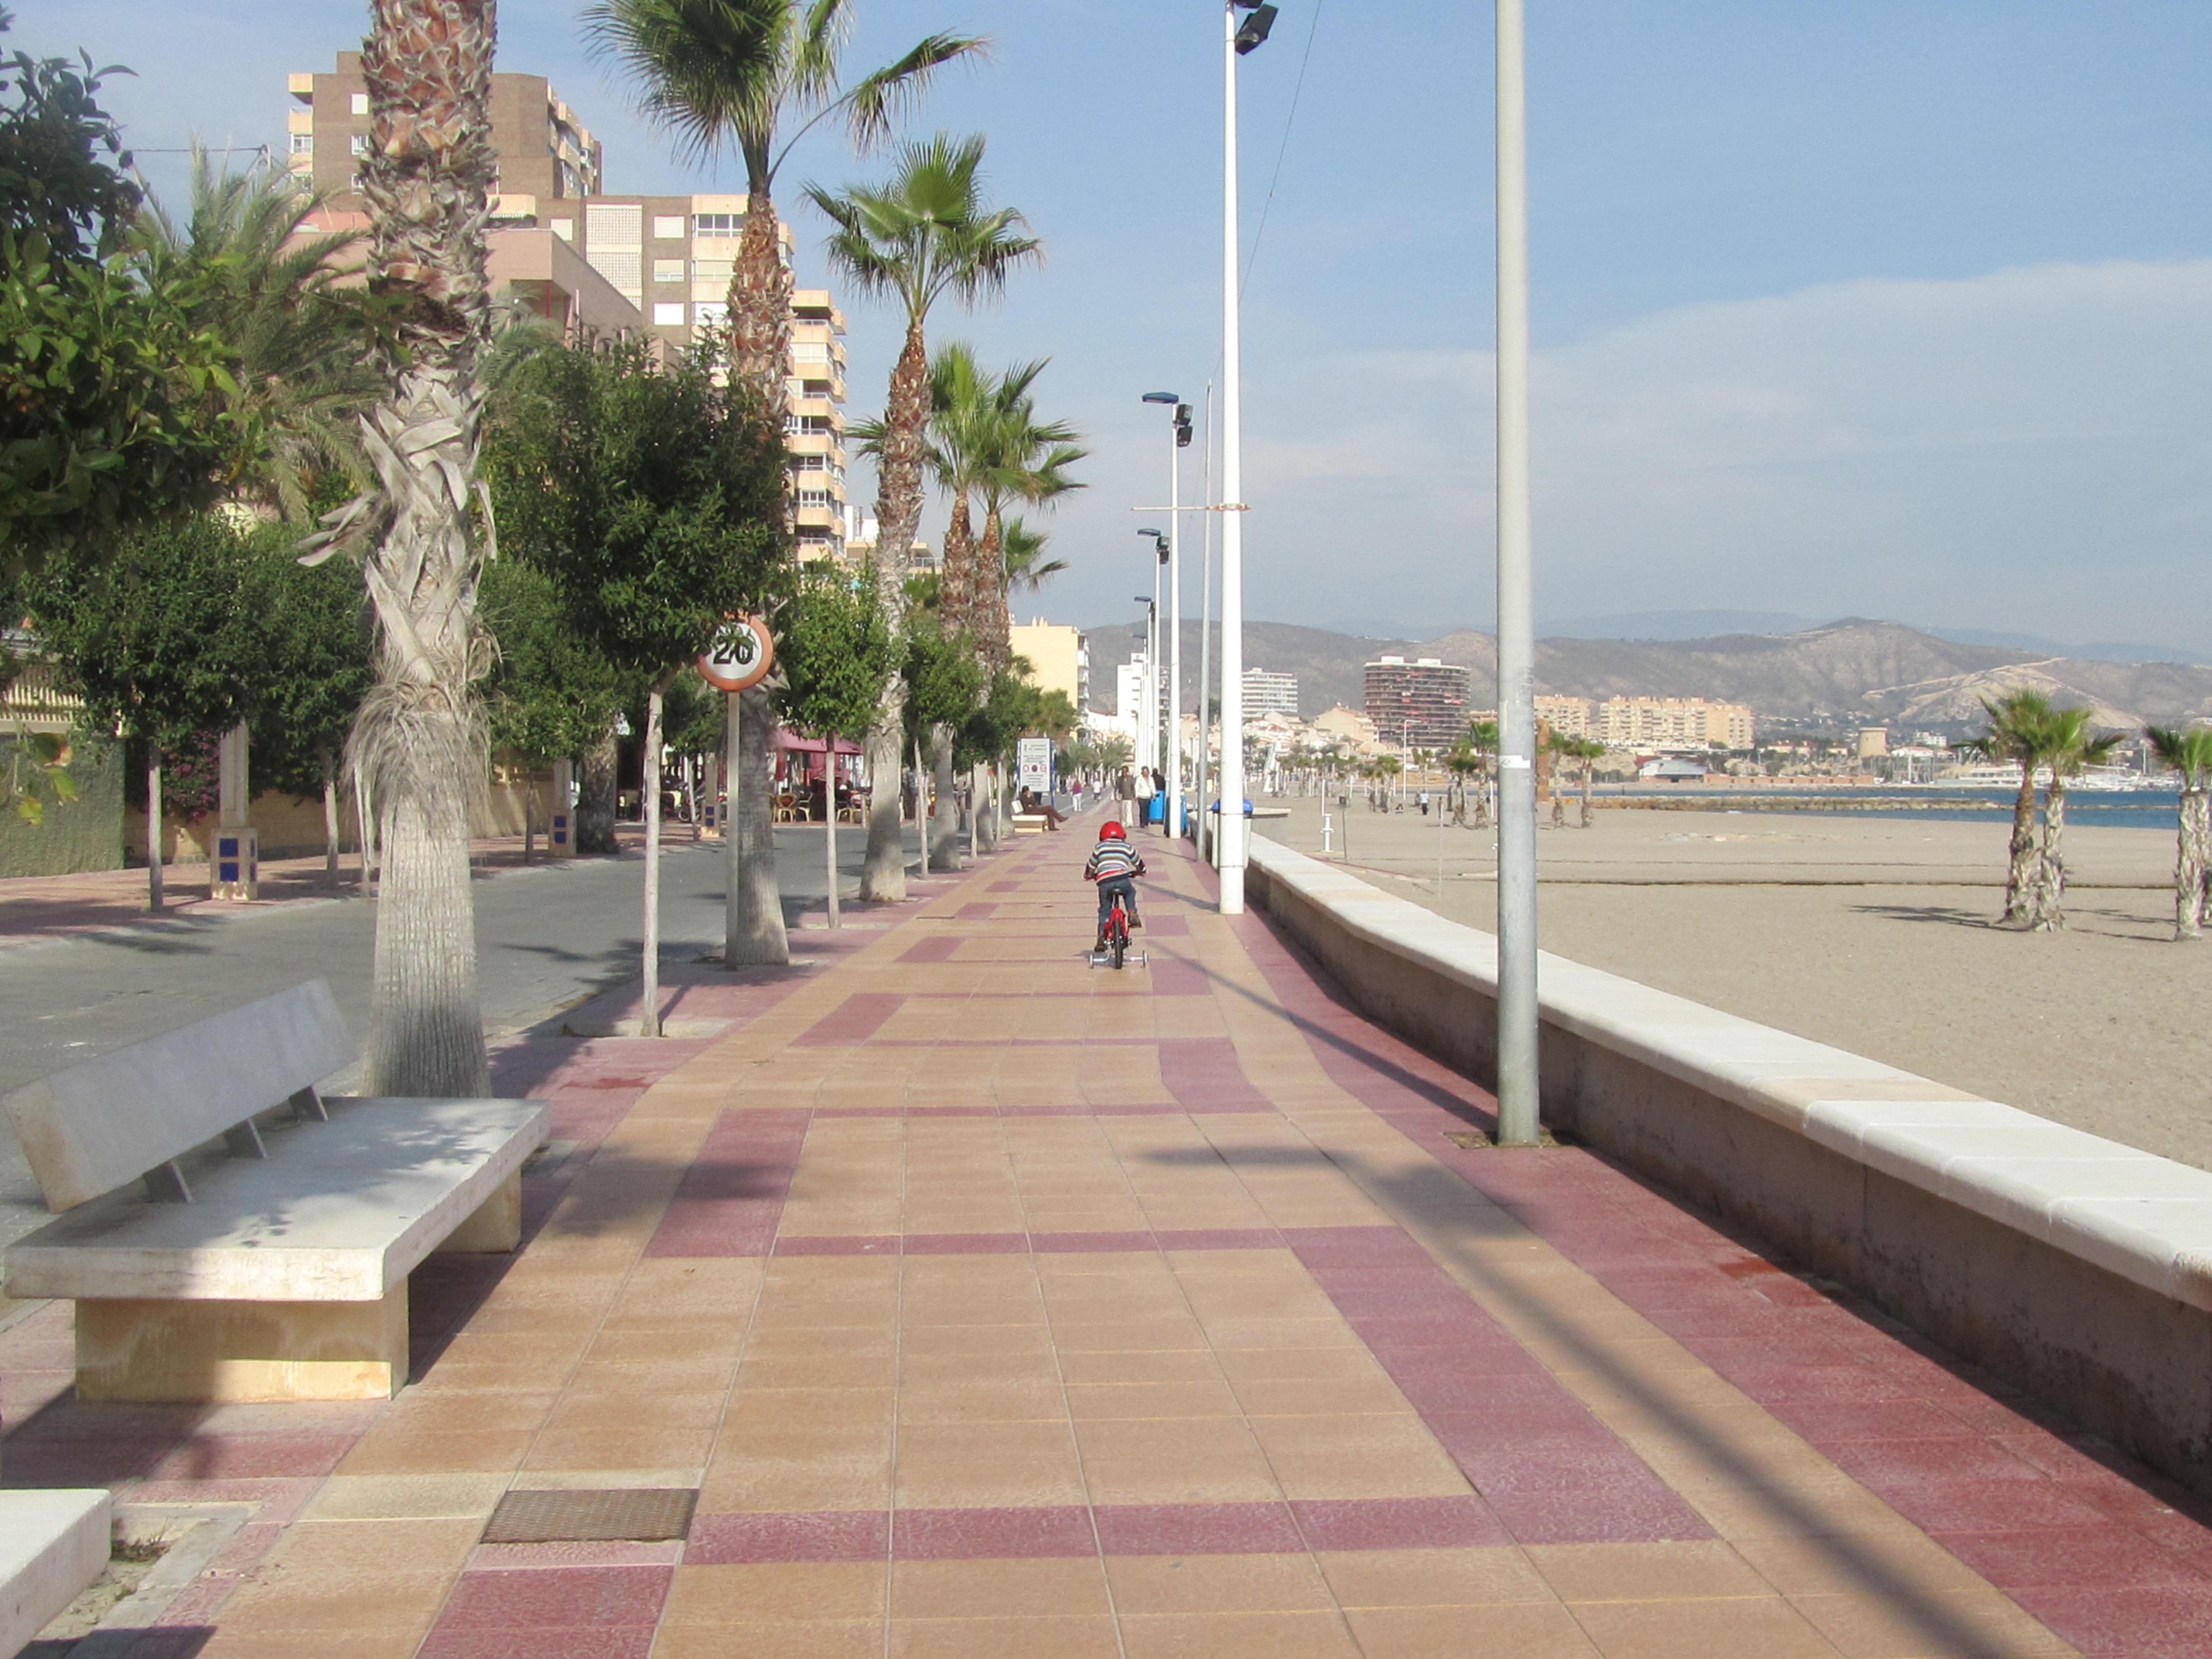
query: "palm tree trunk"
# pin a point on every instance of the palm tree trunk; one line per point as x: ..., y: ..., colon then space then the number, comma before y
x: 2203, y: 839
x: 2051, y: 867
x: 426, y: 177
x: 2188, y: 871
x: 760, y: 311
x: 330, y: 820
x: 945, y: 823
x: 956, y: 569
x: 755, y: 935
x: 2020, y: 871
x: 990, y: 622
x: 648, y: 1012
x: 1589, y: 767
x: 365, y: 822
x: 921, y: 805
x: 154, y: 900
x: 899, y: 516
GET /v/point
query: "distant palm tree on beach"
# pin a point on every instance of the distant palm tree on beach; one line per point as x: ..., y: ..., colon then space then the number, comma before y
x: 2190, y: 753
x: 2052, y: 745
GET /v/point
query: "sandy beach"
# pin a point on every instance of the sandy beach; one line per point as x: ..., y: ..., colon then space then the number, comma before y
x: 1874, y: 934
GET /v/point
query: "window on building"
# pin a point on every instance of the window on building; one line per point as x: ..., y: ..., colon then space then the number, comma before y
x: 810, y: 351
x: 361, y: 103
x: 815, y: 498
x: 360, y: 142
x: 303, y: 143
x: 668, y: 313
x: 713, y: 270
x: 668, y: 271
x: 809, y: 462
x: 668, y: 227
x: 717, y: 224
x: 710, y: 311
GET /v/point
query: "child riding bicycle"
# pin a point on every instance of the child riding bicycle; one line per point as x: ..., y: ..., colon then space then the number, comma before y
x: 1115, y: 865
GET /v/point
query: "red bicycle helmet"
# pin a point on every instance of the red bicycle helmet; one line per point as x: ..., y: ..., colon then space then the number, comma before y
x: 1112, y: 830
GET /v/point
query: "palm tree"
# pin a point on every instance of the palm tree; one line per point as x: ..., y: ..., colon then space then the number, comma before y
x: 923, y: 236
x: 1479, y: 739
x: 268, y: 284
x: 731, y: 74
x: 2190, y: 753
x: 1028, y: 460
x: 2021, y: 730
x: 419, y: 741
x: 1022, y: 556
x: 1585, y: 752
x: 2072, y: 748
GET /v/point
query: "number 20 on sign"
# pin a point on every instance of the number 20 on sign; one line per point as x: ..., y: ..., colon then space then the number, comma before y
x: 741, y: 656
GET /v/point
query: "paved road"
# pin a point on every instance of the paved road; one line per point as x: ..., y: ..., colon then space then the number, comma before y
x: 546, y: 936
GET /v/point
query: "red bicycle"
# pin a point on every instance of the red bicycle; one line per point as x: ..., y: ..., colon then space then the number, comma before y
x: 1117, y: 929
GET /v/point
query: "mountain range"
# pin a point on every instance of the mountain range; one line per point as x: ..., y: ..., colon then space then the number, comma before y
x: 1856, y: 671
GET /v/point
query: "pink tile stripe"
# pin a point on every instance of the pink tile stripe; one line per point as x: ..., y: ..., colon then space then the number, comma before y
x: 2005, y: 1484
x: 1553, y: 1472
x: 975, y: 913
x: 1204, y: 1075
x: 580, y: 1612
x: 934, y: 947
x: 853, y: 1021
x: 731, y: 1197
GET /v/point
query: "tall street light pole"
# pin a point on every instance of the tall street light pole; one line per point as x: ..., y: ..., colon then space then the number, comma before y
x: 1239, y: 36
x: 1517, y: 1012
x: 1178, y: 435
x: 1153, y: 686
x: 1206, y: 849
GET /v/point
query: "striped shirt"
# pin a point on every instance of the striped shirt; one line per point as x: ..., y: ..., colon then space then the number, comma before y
x: 1111, y: 859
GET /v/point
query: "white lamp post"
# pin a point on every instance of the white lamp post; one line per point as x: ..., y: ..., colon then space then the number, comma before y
x: 1518, y: 1013
x: 1238, y: 37
x: 1178, y: 435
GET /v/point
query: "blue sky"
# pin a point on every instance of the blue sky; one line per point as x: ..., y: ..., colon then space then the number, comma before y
x: 1884, y: 308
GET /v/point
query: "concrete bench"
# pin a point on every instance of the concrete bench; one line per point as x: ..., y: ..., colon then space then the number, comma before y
x: 214, y: 1253
x: 1031, y: 824
x: 52, y: 1546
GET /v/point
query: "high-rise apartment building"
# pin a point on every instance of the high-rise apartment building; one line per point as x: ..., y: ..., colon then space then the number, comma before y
x: 671, y: 257
x: 607, y: 264
x: 1267, y: 692
x: 1568, y: 716
x: 1422, y: 704
x: 544, y: 153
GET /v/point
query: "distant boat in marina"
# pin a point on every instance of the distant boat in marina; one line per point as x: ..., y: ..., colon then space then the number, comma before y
x: 2095, y: 780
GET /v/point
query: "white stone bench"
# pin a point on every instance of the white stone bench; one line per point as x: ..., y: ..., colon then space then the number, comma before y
x: 1031, y: 824
x: 52, y: 1546
x: 2072, y: 1265
x: 216, y: 1257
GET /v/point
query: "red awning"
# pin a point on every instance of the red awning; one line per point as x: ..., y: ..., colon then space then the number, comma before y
x: 787, y: 738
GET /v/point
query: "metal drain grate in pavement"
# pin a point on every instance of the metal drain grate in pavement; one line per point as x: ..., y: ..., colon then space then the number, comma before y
x: 639, y: 1514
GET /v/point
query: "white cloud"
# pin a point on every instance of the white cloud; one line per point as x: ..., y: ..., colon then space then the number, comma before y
x: 2030, y: 449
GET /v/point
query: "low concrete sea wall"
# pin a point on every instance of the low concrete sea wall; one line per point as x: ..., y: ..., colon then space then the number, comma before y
x: 2072, y: 1266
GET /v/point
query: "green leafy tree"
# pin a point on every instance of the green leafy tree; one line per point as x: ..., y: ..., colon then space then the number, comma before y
x: 653, y: 500
x: 924, y: 234
x: 2188, y: 753
x: 308, y: 664
x: 552, y: 694
x: 102, y: 427
x: 158, y: 641
x: 836, y: 649
x: 943, y: 686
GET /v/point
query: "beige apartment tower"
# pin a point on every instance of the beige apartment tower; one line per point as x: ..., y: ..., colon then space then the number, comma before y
x: 544, y: 152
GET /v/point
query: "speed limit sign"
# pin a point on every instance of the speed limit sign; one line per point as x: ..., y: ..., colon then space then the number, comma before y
x: 740, y: 657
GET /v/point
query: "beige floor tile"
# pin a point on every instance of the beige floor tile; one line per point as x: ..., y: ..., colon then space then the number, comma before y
x: 988, y: 1589
x: 1107, y: 1401
x: 1514, y: 1630
x: 400, y: 1546
x: 739, y: 1595
x: 396, y: 1640
x: 1216, y: 1584
x: 1127, y: 1335
x: 1368, y: 1456
x: 1236, y: 1636
x: 407, y: 1497
x: 1144, y: 1365
x: 403, y: 1450
x: 1035, y: 1637
x: 1645, y: 1572
x: 1978, y: 1625
x: 1894, y: 1561
x: 1204, y: 1459
x: 992, y: 1465
x: 1431, y: 1577
x: 994, y: 1401
x: 1359, y: 1395
x: 851, y: 1638
x: 1746, y: 1627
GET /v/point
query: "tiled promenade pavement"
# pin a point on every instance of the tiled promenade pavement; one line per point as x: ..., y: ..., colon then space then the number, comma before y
x: 996, y: 1305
